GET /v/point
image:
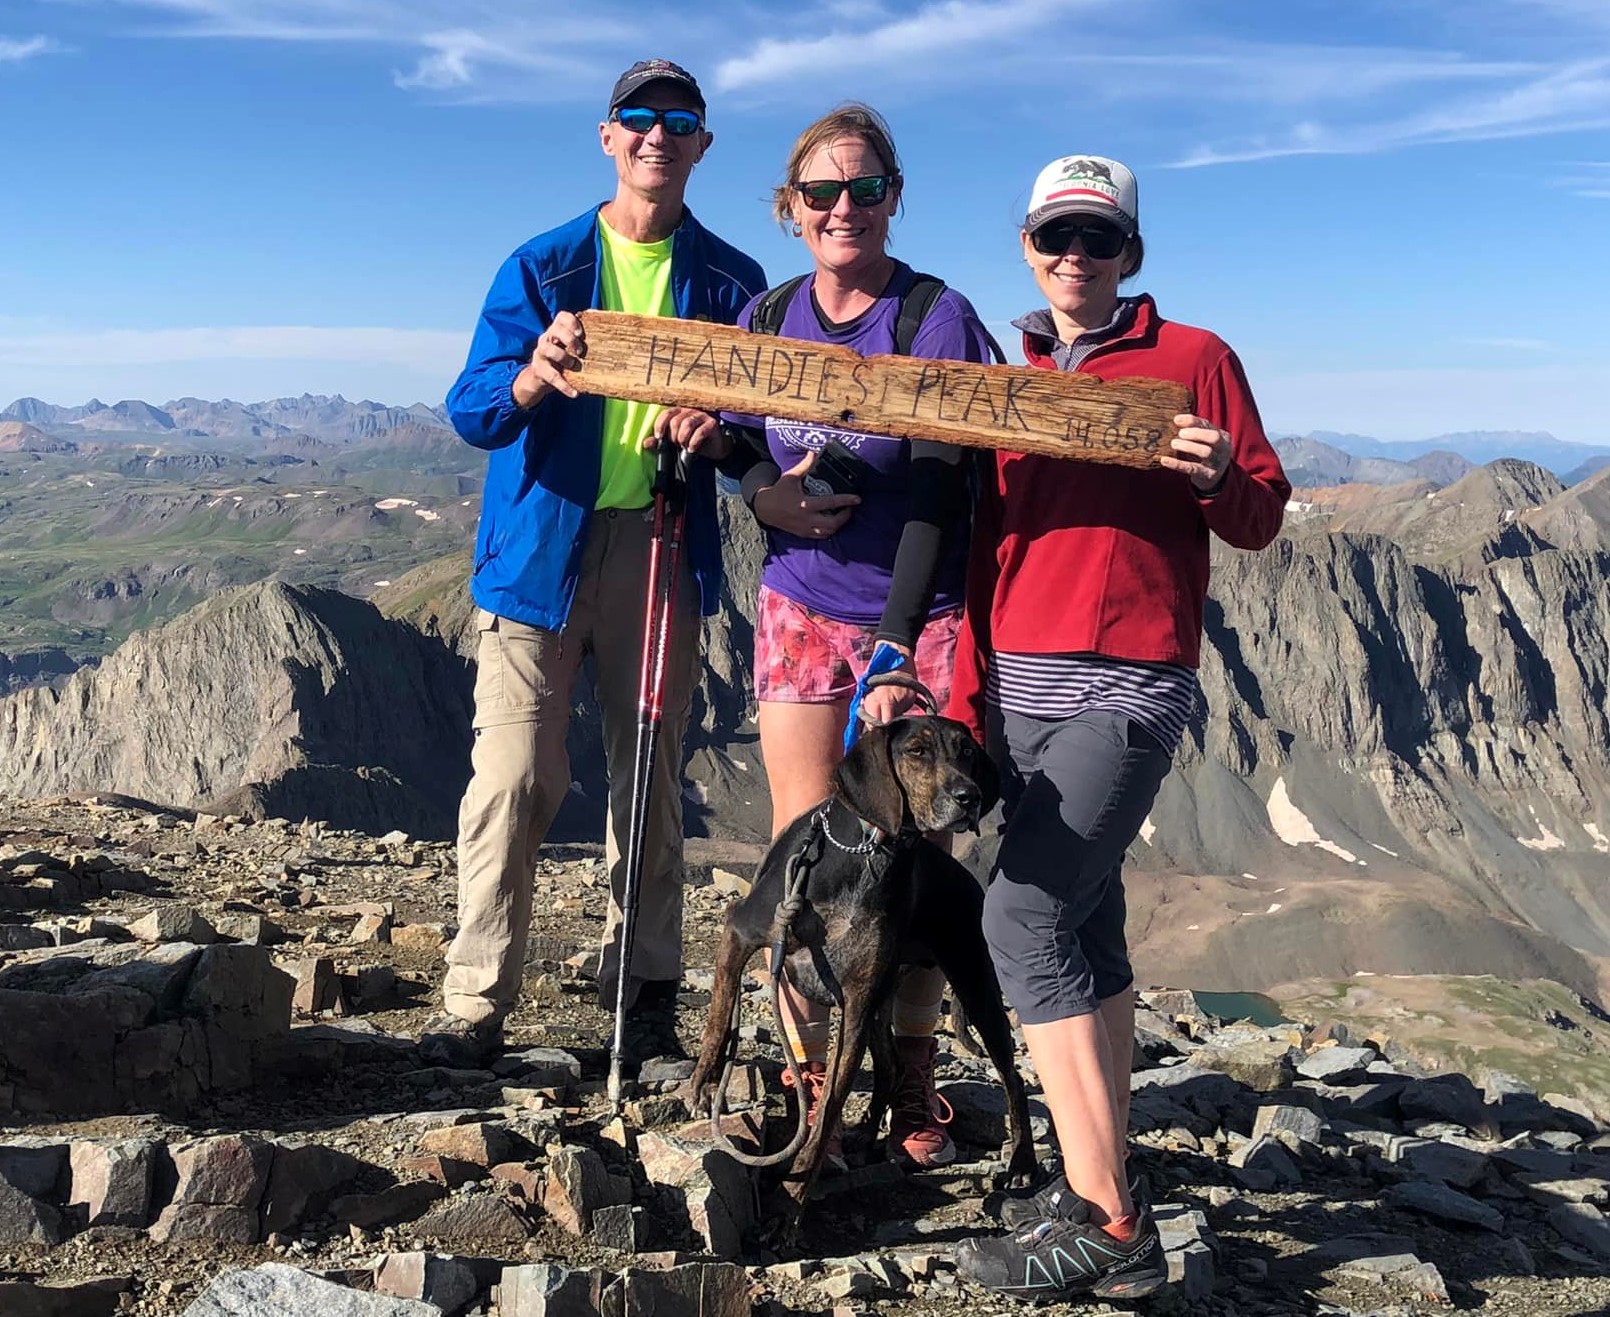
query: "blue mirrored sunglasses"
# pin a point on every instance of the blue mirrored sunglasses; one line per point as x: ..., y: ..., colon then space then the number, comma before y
x: 640, y: 119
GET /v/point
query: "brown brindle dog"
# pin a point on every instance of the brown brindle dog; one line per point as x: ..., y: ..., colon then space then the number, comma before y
x: 876, y: 896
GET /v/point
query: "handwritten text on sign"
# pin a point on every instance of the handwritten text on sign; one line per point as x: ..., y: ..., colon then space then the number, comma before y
x: 720, y: 368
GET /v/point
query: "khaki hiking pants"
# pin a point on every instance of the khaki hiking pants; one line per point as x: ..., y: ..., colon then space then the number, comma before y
x: 520, y: 771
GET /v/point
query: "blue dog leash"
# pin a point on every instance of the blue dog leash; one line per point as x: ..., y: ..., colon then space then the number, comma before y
x: 885, y: 658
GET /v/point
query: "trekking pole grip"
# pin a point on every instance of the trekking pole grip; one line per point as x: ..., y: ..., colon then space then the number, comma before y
x: 670, y: 471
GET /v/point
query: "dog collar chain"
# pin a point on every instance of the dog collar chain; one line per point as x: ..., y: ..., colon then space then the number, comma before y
x: 871, y: 838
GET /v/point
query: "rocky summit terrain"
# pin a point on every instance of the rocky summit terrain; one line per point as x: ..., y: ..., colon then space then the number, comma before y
x: 211, y: 1102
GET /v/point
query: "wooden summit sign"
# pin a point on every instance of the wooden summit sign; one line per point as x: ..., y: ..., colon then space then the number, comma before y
x: 694, y: 363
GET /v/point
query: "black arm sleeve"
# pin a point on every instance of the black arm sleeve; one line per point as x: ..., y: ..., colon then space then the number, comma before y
x: 938, y: 509
x: 750, y: 463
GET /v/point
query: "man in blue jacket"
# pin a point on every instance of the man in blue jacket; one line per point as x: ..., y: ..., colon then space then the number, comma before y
x: 562, y: 552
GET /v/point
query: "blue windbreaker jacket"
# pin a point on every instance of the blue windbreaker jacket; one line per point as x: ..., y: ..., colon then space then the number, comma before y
x: 543, y: 470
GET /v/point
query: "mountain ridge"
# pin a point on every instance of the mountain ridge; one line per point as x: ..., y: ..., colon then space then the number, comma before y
x: 323, y: 416
x: 334, y: 417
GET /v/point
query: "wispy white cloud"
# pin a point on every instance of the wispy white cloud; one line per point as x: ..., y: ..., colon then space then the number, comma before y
x: 462, y: 49
x: 1511, y: 344
x: 1280, y: 74
x: 459, y: 59
x: 273, y: 20
x: 1587, y: 178
x: 1485, y: 70
x: 421, y: 348
x: 892, y: 43
x: 451, y: 62
x: 13, y: 51
x: 1565, y: 98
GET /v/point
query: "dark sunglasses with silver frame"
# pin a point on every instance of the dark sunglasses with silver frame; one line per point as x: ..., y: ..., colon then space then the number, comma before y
x: 868, y: 190
x: 1101, y: 239
x: 641, y: 120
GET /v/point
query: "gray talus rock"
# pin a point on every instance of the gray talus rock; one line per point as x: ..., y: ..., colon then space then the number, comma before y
x: 708, y: 1186
x: 1263, y: 1163
x: 1437, y: 1200
x: 696, y: 1289
x: 112, y: 1180
x: 544, y: 1290
x: 173, y: 923
x: 221, y: 1184
x: 25, y: 1220
x: 1336, y: 1065
x: 1583, y: 1225
x: 1434, y: 1159
x: 34, y: 1165
x: 302, y: 1181
x: 481, y: 1218
x: 539, y: 1067
x: 275, y: 1290
x: 87, y: 1298
x: 1295, y: 1126
x: 578, y: 1185
x: 100, y: 1029
x: 1262, y: 1064
x: 480, y: 1143
x: 448, y: 1282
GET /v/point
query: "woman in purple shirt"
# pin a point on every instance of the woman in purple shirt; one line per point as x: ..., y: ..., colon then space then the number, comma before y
x: 844, y: 571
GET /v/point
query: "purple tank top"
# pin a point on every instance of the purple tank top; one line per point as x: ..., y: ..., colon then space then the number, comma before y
x: 847, y: 576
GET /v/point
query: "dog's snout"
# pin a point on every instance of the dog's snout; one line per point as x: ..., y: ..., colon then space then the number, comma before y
x: 966, y: 794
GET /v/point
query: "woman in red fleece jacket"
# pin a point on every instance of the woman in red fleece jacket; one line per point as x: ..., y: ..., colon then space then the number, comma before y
x: 1077, y: 666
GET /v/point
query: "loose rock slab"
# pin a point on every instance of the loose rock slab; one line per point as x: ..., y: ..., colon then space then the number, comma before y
x: 276, y: 1290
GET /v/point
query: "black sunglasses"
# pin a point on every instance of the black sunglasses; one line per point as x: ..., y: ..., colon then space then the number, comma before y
x: 640, y: 119
x: 823, y: 194
x: 1102, y: 241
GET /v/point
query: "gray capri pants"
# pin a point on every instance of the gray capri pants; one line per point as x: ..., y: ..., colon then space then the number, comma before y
x: 1076, y: 792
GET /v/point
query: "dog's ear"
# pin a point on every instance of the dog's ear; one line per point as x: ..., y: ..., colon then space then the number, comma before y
x: 865, y: 780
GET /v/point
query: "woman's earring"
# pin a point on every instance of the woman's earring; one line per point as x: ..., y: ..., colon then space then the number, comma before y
x: 798, y: 232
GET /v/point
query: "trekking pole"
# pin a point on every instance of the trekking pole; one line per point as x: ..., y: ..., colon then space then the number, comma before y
x: 664, y: 563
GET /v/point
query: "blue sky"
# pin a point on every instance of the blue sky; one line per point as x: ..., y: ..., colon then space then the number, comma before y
x: 1398, y: 211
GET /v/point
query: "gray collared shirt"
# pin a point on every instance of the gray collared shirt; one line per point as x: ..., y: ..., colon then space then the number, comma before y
x: 1067, y: 356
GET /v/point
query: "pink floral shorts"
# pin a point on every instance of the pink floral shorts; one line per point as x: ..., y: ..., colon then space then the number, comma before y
x: 802, y: 657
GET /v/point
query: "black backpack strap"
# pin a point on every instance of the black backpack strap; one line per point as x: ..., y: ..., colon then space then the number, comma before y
x: 767, y: 317
x: 915, y: 304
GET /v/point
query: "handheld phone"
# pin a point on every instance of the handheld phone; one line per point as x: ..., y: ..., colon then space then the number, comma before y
x: 838, y: 470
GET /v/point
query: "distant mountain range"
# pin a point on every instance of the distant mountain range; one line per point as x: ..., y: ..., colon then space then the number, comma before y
x: 1321, y: 458
x: 330, y: 418
x: 1428, y: 459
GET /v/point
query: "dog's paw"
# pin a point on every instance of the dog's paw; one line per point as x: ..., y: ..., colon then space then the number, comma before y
x: 1021, y: 1169
x: 695, y: 1096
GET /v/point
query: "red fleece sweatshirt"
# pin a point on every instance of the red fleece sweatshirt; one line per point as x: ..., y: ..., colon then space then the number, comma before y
x: 1080, y: 557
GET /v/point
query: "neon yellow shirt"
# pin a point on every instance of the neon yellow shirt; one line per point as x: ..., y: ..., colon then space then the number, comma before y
x: 636, y: 279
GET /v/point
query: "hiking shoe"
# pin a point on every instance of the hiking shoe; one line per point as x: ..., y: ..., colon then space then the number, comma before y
x: 1020, y: 1210
x: 814, y: 1074
x: 1064, y: 1255
x: 917, y: 1114
x: 650, y: 992
x: 651, y: 1024
x: 455, y: 1043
